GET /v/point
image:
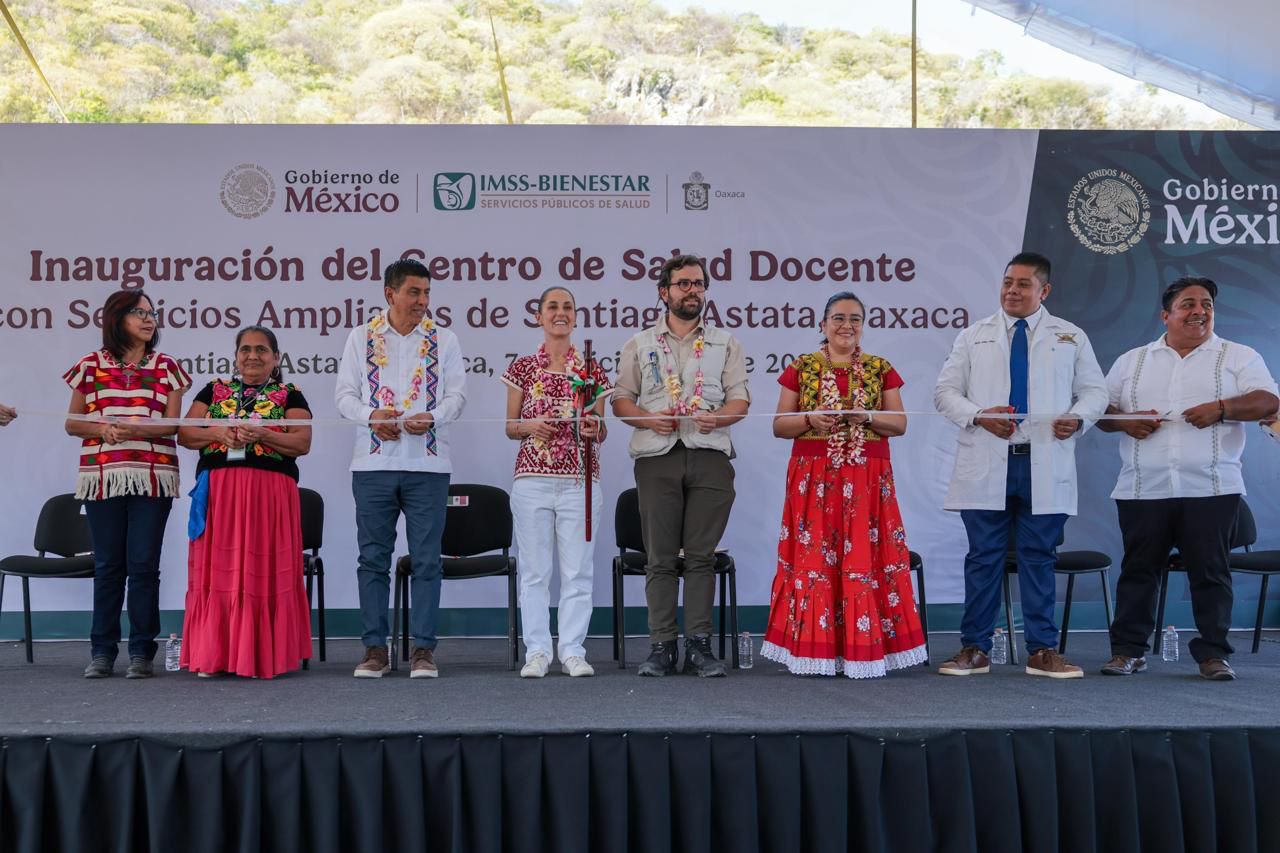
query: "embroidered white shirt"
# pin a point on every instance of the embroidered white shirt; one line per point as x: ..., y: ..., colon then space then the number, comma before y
x: 1179, y: 460
x: 351, y: 395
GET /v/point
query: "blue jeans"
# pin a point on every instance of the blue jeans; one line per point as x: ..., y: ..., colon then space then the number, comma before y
x: 1037, y: 552
x: 127, y: 533
x: 381, y: 496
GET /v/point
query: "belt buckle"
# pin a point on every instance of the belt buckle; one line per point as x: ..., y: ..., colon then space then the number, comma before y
x: 1020, y: 450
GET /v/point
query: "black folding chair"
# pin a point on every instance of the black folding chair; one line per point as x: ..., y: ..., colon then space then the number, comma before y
x: 62, y: 529
x: 1070, y: 563
x: 631, y: 560
x: 312, y: 565
x: 917, y: 566
x: 477, y: 523
x: 1264, y: 563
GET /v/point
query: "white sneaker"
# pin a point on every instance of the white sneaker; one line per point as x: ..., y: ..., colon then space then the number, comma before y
x: 536, y: 666
x: 576, y: 667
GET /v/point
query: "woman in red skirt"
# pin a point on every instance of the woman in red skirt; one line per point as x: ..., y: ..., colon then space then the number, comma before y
x: 842, y: 600
x: 247, y: 610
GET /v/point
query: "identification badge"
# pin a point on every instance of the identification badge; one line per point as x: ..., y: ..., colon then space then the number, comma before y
x: 235, y: 454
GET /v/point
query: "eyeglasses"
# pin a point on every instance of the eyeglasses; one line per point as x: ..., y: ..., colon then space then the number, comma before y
x: 686, y: 286
x: 839, y: 320
x: 142, y: 313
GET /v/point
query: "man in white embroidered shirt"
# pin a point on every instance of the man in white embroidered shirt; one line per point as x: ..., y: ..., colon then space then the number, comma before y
x: 1180, y: 482
x: 403, y: 377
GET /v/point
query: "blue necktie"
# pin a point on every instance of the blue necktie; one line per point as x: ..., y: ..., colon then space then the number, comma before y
x: 1018, y: 367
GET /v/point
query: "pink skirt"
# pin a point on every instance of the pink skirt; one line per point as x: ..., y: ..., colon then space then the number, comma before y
x: 247, y: 610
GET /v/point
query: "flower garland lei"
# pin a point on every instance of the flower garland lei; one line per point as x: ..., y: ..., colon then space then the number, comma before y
x: 674, y: 387
x: 845, y: 443
x: 563, y: 444
x: 377, y: 330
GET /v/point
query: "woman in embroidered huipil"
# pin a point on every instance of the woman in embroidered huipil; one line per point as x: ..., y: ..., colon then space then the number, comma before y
x: 842, y: 600
x: 128, y: 474
x: 548, y: 498
x: 247, y: 610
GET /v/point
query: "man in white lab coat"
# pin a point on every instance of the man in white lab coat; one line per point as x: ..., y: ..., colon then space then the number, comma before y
x: 1017, y: 475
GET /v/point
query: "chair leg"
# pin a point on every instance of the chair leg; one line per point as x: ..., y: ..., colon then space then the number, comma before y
x: 1106, y: 598
x: 306, y: 662
x: 1008, y: 619
x: 613, y: 598
x: 320, y: 599
x: 395, y: 622
x: 1262, y: 605
x: 924, y: 612
x: 622, y: 620
x: 513, y: 649
x: 404, y: 621
x: 1158, y: 644
x: 26, y: 616
x: 1066, y: 615
x: 733, y: 615
x: 723, y: 624
x: 2, y: 579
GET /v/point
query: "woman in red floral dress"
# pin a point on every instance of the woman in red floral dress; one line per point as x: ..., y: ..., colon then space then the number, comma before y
x: 842, y: 600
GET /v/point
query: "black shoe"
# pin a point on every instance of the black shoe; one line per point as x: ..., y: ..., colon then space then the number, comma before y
x: 698, y: 659
x: 139, y: 668
x: 99, y: 667
x: 661, y: 660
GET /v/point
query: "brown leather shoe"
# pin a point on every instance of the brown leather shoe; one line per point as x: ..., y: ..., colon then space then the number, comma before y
x: 375, y: 663
x: 968, y: 661
x: 1049, y: 663
x: 1217, y: 669
x: 423, y: 664
x: 1121, y: 665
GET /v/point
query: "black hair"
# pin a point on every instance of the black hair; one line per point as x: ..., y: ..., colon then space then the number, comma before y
x: 543, y: 297
x: 679, y: 262
x: 395, y: 273
x: 115, y: 339
x: 1035, y: 260
x: 841, y: 297
x: 1171, y: 292
x: 277, y: 374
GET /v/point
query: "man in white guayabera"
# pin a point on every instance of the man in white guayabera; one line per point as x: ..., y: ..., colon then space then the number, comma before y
x: 401, y: 365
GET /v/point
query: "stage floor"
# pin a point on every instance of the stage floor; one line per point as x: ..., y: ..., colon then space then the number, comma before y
x: 476, y: 694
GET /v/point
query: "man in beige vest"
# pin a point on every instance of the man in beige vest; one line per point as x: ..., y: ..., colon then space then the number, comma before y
x: 681, y: 384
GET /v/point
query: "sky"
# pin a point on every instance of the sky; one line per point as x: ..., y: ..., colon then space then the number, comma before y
x: 945, y: 26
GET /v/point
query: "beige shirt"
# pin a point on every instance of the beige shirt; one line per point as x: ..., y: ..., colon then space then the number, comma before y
x: 733, y: 378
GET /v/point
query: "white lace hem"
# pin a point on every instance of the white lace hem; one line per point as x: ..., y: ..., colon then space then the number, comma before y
x: 850, y: 668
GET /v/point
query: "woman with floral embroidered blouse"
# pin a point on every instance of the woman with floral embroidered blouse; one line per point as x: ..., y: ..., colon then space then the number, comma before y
x: 128, y: 474
x: 842, y: 600
x: 549, y: 496
x: 247, y: 610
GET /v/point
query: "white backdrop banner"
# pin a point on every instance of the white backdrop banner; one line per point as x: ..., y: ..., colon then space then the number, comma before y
x: 291, y: 226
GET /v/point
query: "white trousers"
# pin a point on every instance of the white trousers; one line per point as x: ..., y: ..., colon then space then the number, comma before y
x: 550, y: 515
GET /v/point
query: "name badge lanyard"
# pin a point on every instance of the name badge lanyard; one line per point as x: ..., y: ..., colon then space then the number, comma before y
x: 244, y: 399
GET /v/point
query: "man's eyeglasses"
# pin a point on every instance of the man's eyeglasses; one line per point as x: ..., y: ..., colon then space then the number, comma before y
x: 142, y: 313
x: 686, y: 286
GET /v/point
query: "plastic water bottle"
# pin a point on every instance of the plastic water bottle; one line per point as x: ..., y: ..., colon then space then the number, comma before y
x: 999, y: 647
x: 173, y: 654
x: 1169, y: 645
x: 745, y: 651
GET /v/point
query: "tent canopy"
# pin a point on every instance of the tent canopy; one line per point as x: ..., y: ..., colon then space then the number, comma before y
x: 1218, y: 53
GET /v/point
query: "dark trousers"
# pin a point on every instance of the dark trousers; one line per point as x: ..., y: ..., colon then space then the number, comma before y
x: 381, y: 497
x: 1036, y: 538
x: 127, y: 533
x: 685, y: 497
x: 1201, y: 529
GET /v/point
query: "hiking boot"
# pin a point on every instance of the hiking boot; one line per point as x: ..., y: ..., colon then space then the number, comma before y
x: 99, y: 667
x: 661, y: 660
x: 139, y: 668
x: 375, y: 663
x: 698, y: 659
